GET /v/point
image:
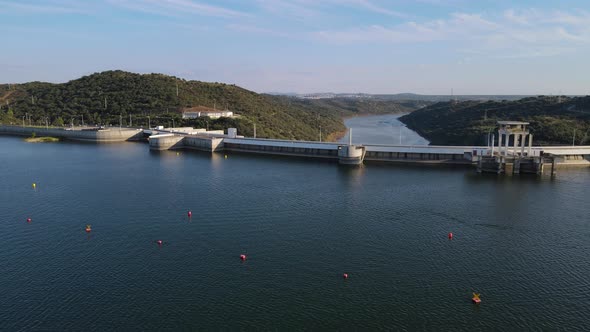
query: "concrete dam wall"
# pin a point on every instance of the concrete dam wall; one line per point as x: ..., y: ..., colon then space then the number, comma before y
x: 108, y: 135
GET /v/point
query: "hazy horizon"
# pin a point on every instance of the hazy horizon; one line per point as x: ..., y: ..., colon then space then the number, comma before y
x: 302, y: 46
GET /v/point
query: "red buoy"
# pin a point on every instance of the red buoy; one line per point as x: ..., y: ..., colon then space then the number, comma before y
x: 29, y: 220
x: 345, y: 276
x: 190, y: 214
x: 450, y: 236
x: 475, y: 299
x: 159, y: 242
x: 243, y: 257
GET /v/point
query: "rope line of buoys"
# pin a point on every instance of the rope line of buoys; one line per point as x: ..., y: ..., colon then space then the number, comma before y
x: 475, y: 299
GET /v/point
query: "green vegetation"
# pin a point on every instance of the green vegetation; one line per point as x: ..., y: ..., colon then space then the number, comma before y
x: 111, y: 97
x: 45, y: 139
x: 552, y: 120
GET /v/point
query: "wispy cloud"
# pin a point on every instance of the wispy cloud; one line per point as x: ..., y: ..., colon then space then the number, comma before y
x: 44, y: 7
x: 257, y: 30
x: 177, y: 8
x: 370, y: 6
x: 529, y: 32
x: 313, y: 8
x: 297, y: 9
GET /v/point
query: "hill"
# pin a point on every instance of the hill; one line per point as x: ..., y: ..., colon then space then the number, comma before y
x: 111, y: 97
x: 552, y: 120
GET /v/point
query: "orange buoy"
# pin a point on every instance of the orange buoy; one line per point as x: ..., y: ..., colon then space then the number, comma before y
x: 190, y: 214
x: 345, y: 275
x: 29, y: 219
x: 475, y: 299
x: 88, y: 228
x: 450, y: 236
x: 159, y: 242
x: 243, y: 257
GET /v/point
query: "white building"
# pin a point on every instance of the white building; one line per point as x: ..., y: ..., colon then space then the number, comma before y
x: 201, y: 111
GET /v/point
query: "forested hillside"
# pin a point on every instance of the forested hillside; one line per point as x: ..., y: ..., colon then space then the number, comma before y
x: 552, y: 120
x: 111, y: 97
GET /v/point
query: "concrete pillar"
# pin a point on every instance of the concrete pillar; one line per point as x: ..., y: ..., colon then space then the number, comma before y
x: 507, y: 143
x: 493, y: 138
x: 530, y: 143
x: 522, y: 144
x: 515, y: 144
x: 500, y: 142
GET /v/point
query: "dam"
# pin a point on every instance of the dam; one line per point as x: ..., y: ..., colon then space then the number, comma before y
x: 504, y: 159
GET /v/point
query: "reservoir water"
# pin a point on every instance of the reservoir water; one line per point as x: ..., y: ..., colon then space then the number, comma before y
x: 381, y: 129
x: 522, y: 242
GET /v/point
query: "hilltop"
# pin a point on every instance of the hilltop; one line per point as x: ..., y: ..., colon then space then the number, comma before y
x: 552, y: 120
x: 110, y: 97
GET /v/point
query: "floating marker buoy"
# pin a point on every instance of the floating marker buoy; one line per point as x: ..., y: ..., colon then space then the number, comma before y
x: 450, y: 236
x: 34, y: 185
x: 475, y: 299
x: 345, y: 275
x: 88, y: 228
x: 225, y: 156
x: 29, y: 220
x: 159, y: 242
x: 178, y: 153
x: 243, y: 257
x: 190, y: 214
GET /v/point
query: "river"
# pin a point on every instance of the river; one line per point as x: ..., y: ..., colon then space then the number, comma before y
x: 523, y: 242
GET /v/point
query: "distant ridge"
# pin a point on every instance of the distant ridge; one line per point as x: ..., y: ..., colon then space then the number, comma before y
x: 402, y: 96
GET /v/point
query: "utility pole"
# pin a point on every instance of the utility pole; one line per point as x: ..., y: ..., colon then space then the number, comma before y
x: 574, y: 139
x: 46, y: 123
x: 255, y: 130
x: 172, y: 123
x: 320, y: 133
x: 23, y: 120
x: 82, y: 120
x: 177, y: 88
x: 120, y: 121
x: 400, y: 135
x: 105, y: 102
x: 130, y: 121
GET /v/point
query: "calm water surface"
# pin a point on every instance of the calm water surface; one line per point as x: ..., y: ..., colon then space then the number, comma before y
x: 522, y: 242
x: 381, y: 129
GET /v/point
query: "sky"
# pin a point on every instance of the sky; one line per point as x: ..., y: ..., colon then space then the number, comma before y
x: 305, y: 46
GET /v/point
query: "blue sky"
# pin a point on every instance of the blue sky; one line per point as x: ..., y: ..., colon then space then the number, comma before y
x: 371, y: 46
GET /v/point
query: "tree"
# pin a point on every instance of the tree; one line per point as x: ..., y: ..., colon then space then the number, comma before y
x: 58, y: 122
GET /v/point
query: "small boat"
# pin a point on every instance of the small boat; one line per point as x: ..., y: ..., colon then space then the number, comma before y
x: 88, y: 228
